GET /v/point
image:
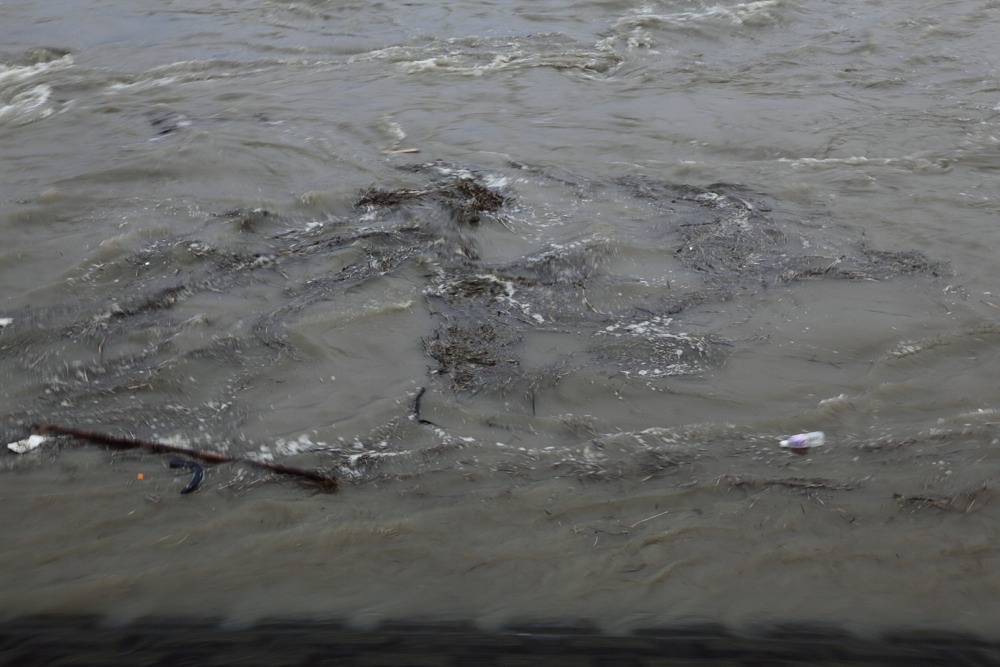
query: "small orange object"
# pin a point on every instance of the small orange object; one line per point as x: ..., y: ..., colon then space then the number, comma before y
x: 140, y: 476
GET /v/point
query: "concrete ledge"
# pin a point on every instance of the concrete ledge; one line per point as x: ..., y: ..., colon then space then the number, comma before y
x: 87, y: 641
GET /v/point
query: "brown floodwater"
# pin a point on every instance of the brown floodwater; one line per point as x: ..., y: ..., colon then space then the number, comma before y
x: 544, y: 287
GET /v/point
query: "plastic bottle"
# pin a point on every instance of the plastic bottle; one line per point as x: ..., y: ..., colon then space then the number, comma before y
x: 26, y: 445
x: 803, y: 441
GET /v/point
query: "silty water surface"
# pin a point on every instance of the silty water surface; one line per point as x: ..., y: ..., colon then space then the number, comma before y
x: 715, y: 224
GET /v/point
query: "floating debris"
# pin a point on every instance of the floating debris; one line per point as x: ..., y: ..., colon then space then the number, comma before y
x: 324, y: 480
x: 964, y: 501
x: 196, y: 477
x: 795, y: 483
x: 26, y: 445
x: 803, y: 442
x: 515, y: 301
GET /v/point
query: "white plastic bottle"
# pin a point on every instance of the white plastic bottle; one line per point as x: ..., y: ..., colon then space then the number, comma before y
x: 804, y: 440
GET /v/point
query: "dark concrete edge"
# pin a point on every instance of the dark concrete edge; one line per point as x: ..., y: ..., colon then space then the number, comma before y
x: 67, y: 639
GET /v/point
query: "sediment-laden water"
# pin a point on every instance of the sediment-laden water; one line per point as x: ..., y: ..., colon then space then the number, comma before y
x: 543, y: 285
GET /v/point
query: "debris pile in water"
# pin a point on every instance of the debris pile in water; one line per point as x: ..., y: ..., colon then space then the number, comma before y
x: 484, y: 315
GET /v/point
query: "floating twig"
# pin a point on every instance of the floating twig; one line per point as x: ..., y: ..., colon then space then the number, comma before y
x: 323, y: 479
x: 960, y: 502
x: 920, y: 502
x: 195, y: 479
x: 401, y: 151
x: 648, y: 518
x: 796, y: 483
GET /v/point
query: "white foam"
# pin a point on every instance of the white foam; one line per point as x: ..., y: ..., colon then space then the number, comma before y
x: 392, y: 128
x: 27, y: 106
x: 902, y: 162
x: 10, y: 75
x: 426, y: 65
x: 145, y: 84
x: 496, y: 182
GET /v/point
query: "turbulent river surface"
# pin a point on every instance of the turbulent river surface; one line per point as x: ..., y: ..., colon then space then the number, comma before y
x: 542, y: 284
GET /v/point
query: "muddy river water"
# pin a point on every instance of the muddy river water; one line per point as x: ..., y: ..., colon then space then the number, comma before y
x: 543, y: 284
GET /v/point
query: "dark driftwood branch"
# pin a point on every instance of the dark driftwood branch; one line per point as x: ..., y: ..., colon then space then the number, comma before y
x: 325, y: 480
x: 416, y: 408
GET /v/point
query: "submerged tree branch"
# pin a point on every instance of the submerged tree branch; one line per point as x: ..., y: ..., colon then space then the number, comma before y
x: 325, y: 480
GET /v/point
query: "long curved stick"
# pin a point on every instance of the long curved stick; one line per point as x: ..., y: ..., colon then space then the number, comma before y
x: 327, y: 481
